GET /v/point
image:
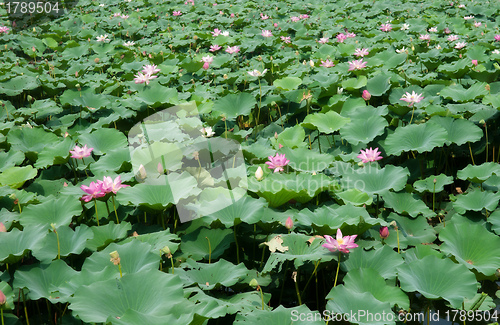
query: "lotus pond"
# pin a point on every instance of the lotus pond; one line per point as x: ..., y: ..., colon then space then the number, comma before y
x: 247, y: 162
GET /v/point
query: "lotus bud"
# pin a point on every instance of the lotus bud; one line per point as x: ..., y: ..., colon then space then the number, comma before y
x: 384, y: 232
x: 165, y: 250
x: 159, y: 168
x: 259, y: 174
x: 2, y: 227
x: 482, y: 122
x: 394, y: 224
x: 254, y: 283
x: 487, y: 87
x: 96, y: 60
x: 3, y: 298
x: 434, y: 181
x: 289, y: 223
x: 30, y: 99
x: 76, y: 73
x: 276, y: 135
x: 115, y: 258
x: 340, y: 91
x: 366, y: 95
x: 142, y: 172
x: 311, y: 63
x: 280, y: 146
x: 65, y: 184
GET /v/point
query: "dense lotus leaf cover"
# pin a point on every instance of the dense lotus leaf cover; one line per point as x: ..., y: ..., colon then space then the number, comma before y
x: 279, y: 162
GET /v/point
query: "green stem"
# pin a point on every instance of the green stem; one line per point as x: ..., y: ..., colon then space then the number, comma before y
x: 434, y: 197
x: 58, y: 246
x: 114, y: 207
x: 486, y: 129
x: 172, y: 261
x: 120, y: 269
x: 1, y: 309
x: 96, y: 215
x: 297, y: 288
x: 237, y: 246
x: 260, y: 103
x: 316, y: 264
x: 25, y: 309
x: 338, y: 267
x: 397, y: 235
x: 283, y: 285
x: 261, y: 297
x: 209, y: 250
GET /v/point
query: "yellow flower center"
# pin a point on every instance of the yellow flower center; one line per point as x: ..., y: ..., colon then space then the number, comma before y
x: 340, y: 241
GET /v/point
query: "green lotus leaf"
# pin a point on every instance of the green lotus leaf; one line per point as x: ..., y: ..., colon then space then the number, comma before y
x: 472, y: 245
x: 420, y: 251
x: 55, y: 154
x: 15, y: 177
x: 494, y: 100
x: 221, y: 305
x: 363, y: 129
x: 326, y: 123
x: 355, y: 197
x: 494, y: 219
x: 50, y: 281
x: 407, y: 203
x: 481, y: 301
x: 16, y: 242
x: 204, y: 243
x: 58, y: 211
x: 430, y: 276
x: 157, y: 95
x: 153, y: 293
x: 357, y: 307
x: 104, y: 235
x: 383, y: 260
x: 292, y: 137
x: 281, y: 316
x: 411, y: 231
x: 305, y: 160
x: 10, y: 158
x: 378, y: 85
x: 18, y: 85
x: 278, y: 188
x: 136, y: 317
x: 479, y: 173
x: 354, y: 83
x: 103, y: 140
x: 300, y: 251
x: 476, y: 201
x: 158, y: 240
x: 70, y: 242
x: 459, y: 94
x: 329, y: 218
x: 374, y: 180
x: 459, y: 131
x: 368, y: 280
x: 420, y: 138
x: 427, y: 185
x: 112, y: 161
x: 155, y: 197
x: 84, y: 98
x: 288, y: 83
x: 246, y: 210
x: 234, y: 105
x: 210, y: 276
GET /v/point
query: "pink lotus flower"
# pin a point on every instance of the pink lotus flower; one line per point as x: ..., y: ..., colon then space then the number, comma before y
x: 447, y: 30
x: 469, y: 17
x: 94, y: 190
x: 232, y: 15
x: 124, y: 16
x: 143, y: 78
x: 327, y: 64
x: 176, y: 13
x: 109, y: 185
x: 266, y: 33
x: 497, y: 37
x: 433, y: 30
x: 304, y: 16
x: 361, y: 52
x: 80, y: 153
x: 4, y: 29
x: 350, y: 35
x: 295, y: 19
x: 452, y: 38
x: 368, y: 155
x: 264, y: 17
x: 214, y: 48
x: 341, y: 37
x: 356, y: 65
x: 323, y: 40
x: 232, y: 49
x: 383, y: 232
x: 286, y: 39
x: 3, y: 299
x: 289, y: 223
x: 425, y: 37
x: 277, y: 162
x: 460, y: 45
x: 207, y: 61
x: 366, y: 95
x: 477, y: 24
x: 341, y: 244
x: 412, y: 98
x: 150, y: 69
x: 116, y: 14
x: 216, y: 32
x: 474, y: 62
x: 385, y: 27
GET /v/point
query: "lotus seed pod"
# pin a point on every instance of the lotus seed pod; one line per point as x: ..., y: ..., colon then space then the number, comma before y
x: 254, y: 283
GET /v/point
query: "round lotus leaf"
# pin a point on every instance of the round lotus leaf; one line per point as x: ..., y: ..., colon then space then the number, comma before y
x: 459, y: 94
x: 428, y: 185
x: 153, y: 293
x: 156, y: 197
x: 354, y: 83
x: 50, y: 281
x: 58, y: 211
x: 300, y: 315
x: 472, y: 245
x: 10, y: 158
x: 305, y: 160
x: 17, y: 85
x: 479, y: 173
x: 85, y: 98
x: 368, y: 280
x: 103, y: 140
x: 372, y: 180
x: 15, y: 177
x: 355, y: 197
x: 15, y: 243
x: 407, y: 203
x: 363, y: 130
x: 415, y: 137
x: 287, y: 83
x: 430, y: 276
x: 157, y: 95
x: 204, y: 243
x: 459, y: 131
x: 234, y: 105
x: 494, y: 219
x: 30, y: 139
x: 246, y: 209
x: 326, y: 123
x: 383, y: 260
x: 104, y: 235
x: 158, y: 240
x: 292, y: 137
x: 357, y: 307
x: 411, y: 231
x: 210, y: 276
x: 476, y: 201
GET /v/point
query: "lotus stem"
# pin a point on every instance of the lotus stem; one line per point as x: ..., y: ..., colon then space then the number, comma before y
x: 434, y: 197
x: 316, y: 264
x: 209, y: 250
x: 1, y: 311
x: 172, y: 261
x: 237, y: 246
x: 338, y: 267
x: 120, y: 269
x: 114, y: 207
x: 397, y: 235
x: 486, y: 130
x: 25, y: 309
x: 471, y: 157
x: 96, y: 215
x: 107, y: 207
x: 294, y: 277
x: 261, y: 296
x: 260, y: 102
x: 58, y: 245
x: 283, y: 285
